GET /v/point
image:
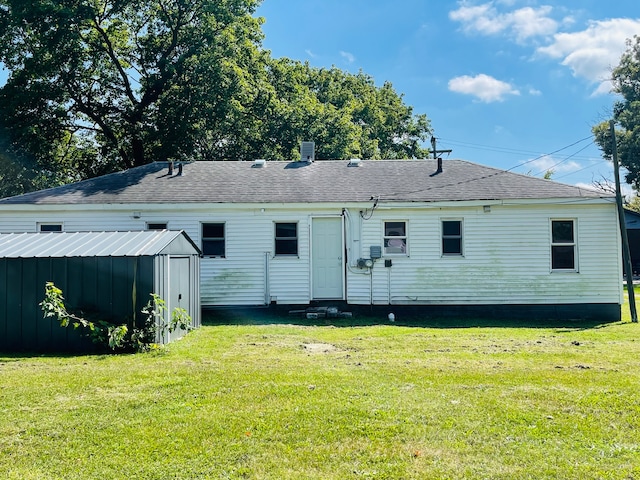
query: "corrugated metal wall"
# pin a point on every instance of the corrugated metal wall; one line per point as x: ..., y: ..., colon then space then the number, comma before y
x: 95, y: 285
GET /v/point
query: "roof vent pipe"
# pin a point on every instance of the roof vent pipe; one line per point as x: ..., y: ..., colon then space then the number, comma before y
x: 180, y: 169
x: 170, y: 167
x: 439, y: 170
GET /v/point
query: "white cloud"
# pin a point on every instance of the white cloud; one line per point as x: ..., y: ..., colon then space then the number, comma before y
x: 590, y: 53
x: 521, y: 24
x: 310, y: 53
x: 547, y: 162
x: 529, y: 22
x: 593, y: 52
x: 487, y: 89
x: 349, y: 57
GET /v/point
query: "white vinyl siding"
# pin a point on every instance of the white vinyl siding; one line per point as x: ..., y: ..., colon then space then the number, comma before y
x: 507, y: 254
x: 506, y: 259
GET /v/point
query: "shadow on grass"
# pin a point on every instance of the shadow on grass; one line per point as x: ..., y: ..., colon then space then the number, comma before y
x: 366, y: 316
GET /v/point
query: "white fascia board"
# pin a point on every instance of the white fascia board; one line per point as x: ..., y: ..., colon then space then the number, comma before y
x: 382, y: 204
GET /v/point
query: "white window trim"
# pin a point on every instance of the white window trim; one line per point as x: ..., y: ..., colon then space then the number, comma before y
x: 462, y: 235
x: 405, y: 237
x: 286, y: 255
x: 40, y: 224
x: 202, y: 238
x: 575, y: 268
x: 166, y: 225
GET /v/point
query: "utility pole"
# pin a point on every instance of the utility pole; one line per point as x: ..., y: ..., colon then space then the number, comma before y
x: 626, y: 255
x: 434, y: 150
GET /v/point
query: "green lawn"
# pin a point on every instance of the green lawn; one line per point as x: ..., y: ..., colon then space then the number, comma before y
x: 283, y: 401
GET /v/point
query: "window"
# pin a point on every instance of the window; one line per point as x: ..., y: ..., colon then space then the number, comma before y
x: 563, y: 245
x: 452, y: 237
x: 395, y: 238
x: 156, y: 226
x: 213, y: 239
x: 286, y: 238
x: 49, y: 227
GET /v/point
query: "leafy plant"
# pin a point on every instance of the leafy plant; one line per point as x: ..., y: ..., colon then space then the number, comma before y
x: 100, y: 332
x: 53, y: 306
x: 118, y: 337
x: 156, y: 310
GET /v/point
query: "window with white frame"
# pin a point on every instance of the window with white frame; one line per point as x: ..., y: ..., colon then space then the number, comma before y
x: 286, y: 238
x: 213, y: 239
x: 395, y: 238
x: 563, y: 245
x: 49, y: 227
x: 156, y: 226
x: 451, y: 237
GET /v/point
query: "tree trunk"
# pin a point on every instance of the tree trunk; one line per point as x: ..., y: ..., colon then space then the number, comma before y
x: 138, y: 152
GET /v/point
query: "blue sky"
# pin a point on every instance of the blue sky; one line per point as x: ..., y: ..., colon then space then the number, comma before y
x: 503, y: 81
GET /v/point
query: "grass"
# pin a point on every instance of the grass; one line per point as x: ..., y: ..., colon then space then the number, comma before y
x: 281, y: 401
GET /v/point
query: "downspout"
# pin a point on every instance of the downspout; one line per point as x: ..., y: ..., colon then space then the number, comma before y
x: 371, y: 286
x: 267, y: 287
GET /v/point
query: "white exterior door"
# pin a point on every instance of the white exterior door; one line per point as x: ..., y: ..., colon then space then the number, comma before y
x: 180, y: 289
x: 327, y: 258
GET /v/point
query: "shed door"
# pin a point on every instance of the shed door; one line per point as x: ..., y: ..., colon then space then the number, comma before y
x: 327, y: 253
x: 180, y: 288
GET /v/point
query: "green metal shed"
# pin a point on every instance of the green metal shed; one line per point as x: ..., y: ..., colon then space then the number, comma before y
x: 111, y: 274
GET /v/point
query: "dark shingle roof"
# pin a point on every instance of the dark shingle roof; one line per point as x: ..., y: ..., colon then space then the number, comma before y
x: 300, y: 182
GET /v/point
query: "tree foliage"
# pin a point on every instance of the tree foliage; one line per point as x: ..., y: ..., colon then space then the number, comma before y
x: 124, y: 78
x: 626, y: 113
x: 97, y: 86
x: 345, y: 114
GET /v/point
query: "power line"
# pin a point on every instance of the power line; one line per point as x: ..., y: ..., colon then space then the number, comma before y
x: 562, y: 161
x: 549, y: 154
x: 578, y: 171
x: 486, y: 147
x: 497, y: 172
x: 507, y: 150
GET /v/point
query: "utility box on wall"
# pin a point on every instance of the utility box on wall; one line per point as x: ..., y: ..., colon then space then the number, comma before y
x: 108, y: 274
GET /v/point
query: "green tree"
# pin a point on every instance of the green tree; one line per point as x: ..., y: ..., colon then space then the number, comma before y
x: 123, y: 77
x: 626, y: 113
x: 97, y: 86
x: 633, y: 203
x: 345, y: 114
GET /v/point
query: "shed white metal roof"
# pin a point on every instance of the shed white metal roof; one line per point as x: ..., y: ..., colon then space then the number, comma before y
x: 90, y: 244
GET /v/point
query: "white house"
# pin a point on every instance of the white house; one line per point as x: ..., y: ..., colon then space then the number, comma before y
x: 383, y: 232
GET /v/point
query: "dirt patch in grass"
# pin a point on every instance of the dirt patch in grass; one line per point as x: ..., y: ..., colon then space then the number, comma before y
x: 319, y: 347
